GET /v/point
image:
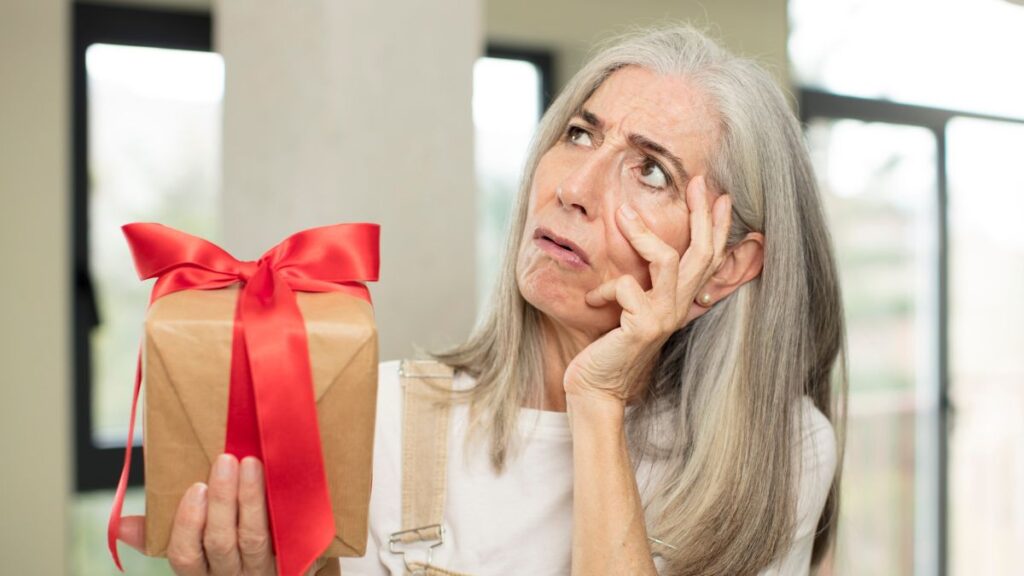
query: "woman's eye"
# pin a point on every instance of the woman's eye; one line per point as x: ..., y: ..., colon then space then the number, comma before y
x: 573, y: 132
x: 652, y: 170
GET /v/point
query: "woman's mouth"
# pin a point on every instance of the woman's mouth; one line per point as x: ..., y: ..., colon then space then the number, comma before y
x: 561, y: 249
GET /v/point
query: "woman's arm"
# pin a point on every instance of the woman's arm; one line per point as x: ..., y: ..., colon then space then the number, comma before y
x: 609, y: 533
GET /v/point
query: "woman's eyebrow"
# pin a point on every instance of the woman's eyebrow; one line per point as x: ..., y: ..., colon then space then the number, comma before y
x: 639, y: 141
x: 645, y: 143
x: 591, y: 118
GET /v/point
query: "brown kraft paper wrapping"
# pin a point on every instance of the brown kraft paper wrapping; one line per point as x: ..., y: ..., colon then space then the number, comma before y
x: 186, y: 372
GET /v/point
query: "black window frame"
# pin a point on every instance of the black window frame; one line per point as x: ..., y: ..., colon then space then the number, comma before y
x: 818, y: 104
x: 98, y: 467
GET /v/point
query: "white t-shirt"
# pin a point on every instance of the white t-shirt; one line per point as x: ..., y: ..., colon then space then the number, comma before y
x: 520, y: 522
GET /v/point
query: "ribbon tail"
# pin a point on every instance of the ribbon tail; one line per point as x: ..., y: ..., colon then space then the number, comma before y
x: 302, y: 521
x: 114, y: 524
x: 242, y: 434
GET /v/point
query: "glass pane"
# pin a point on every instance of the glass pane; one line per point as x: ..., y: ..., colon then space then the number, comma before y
x: 956, y: 54
x: 986, y: 331
x: 878, y: 183
x: 154, y: 155
x: 506, y: 110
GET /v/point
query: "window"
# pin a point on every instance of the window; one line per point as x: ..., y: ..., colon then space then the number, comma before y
x: 147, y: 104
x: 986, y: 337
x: 511, y: 90
x: 915, y: 144
x: 879, y: 185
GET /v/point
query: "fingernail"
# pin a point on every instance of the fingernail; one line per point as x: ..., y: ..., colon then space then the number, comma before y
x: 249, y: 467
x: 628, y: 211
x: 224, y: 466
x: 197, y: 495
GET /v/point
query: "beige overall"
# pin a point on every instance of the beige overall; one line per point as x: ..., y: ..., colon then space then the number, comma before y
x: 424, y: 463
x: 424, y: 469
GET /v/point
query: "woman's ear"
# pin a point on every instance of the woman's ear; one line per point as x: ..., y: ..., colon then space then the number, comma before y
x: 742, y: 264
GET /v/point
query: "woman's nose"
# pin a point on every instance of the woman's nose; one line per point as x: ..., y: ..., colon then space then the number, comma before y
x: 582, y: 188
x: 566, y: 202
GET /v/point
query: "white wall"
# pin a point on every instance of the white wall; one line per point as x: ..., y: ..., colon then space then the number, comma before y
x: 753, y: 28
x: 357, y: 111
x: 35, y: 422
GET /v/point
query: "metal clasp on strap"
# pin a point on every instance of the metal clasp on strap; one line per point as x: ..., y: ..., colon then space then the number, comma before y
x: 397, y: 538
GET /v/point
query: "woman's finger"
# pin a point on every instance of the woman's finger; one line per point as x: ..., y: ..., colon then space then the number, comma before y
x: 185, y: 549
x: 664, y: 259
x: 253, y: 528
x: 697, y: 258
x: 132, y: 532
x: 624, y: 290
x: 220, y: 538
x: 722, y: 218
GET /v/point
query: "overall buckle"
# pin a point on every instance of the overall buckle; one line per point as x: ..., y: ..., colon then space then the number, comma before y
x: 400, y: 539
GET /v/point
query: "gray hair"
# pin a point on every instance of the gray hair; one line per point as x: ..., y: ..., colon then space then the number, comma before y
x: 724, y: 385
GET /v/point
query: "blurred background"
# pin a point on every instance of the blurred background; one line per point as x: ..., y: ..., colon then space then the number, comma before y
x: 244, y: 121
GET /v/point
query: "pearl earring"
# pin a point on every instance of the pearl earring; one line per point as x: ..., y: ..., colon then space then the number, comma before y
x: 705, y: 299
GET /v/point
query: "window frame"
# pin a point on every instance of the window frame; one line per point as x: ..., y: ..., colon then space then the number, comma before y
x: 98, y: 467
x: 818, y: 104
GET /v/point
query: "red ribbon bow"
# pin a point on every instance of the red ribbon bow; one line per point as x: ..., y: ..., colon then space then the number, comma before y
x: 272, y: 409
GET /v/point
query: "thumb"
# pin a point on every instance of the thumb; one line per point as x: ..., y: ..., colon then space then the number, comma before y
x: 132, y: 532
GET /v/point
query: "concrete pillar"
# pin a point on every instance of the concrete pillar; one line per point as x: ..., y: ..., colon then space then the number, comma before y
x: 359, y: 111
x: 35, y: 348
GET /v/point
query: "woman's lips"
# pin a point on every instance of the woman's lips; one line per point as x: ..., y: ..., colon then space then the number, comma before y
x: 562, y: 254
x: 564, y: 243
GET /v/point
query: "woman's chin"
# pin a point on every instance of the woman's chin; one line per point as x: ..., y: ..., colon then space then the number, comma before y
x: 572, y: 311
x: 551, y: 296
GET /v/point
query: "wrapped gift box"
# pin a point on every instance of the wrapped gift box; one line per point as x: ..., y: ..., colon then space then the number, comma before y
x: 186, y: 373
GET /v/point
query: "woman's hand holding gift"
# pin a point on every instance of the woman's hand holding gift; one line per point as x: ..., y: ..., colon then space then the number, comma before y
x: 220, y: 528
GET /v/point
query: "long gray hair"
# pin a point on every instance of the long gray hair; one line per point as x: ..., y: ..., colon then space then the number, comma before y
x: 719, y: 413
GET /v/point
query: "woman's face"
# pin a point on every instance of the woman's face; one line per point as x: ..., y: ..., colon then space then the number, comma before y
x: 608, y: 155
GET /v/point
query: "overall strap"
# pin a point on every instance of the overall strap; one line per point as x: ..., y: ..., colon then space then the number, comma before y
x: 425, y: 415
x: 424, y: 449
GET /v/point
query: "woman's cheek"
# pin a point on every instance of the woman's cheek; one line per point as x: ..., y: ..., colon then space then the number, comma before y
x: 670, y: 222
x: 626, y: 260
x: 607, y: 318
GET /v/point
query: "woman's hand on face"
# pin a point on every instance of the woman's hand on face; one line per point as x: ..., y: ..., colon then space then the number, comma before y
x: 611, y: 367
x: 220, y: 529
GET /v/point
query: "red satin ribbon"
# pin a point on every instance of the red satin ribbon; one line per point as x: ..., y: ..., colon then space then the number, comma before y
x: 272, y: 409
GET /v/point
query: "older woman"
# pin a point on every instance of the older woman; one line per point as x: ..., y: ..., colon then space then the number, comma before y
x: 653, y: 384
